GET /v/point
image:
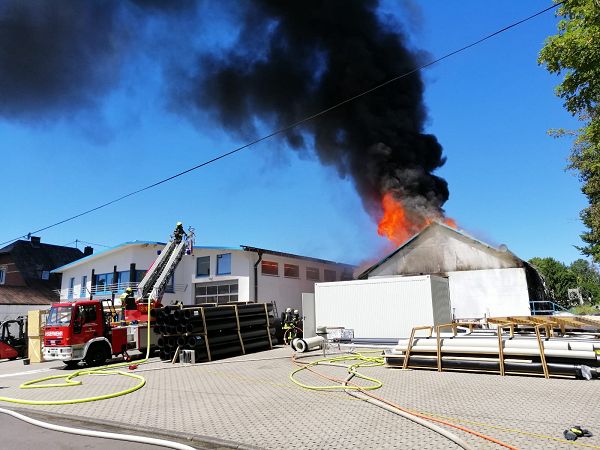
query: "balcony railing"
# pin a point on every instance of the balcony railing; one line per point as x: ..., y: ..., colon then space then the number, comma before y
x: 107, y: 290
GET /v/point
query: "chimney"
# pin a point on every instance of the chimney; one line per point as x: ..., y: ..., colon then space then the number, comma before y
x: 87, y: 251
x: 35, y: 241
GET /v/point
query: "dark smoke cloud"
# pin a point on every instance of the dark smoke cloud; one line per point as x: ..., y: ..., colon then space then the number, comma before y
x: 58, y: 55
x: 297, y: 57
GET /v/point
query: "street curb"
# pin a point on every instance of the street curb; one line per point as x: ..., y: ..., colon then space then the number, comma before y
x: 206, y: 442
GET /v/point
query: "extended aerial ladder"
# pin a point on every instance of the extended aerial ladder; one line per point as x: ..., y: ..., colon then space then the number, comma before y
x: 153, y: 285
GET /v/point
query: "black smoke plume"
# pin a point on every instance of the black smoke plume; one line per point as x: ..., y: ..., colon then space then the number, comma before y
x: 57, y: 56
x: 294, y: 58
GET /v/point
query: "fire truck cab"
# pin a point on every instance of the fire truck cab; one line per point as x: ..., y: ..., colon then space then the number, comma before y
x: 82, y: 331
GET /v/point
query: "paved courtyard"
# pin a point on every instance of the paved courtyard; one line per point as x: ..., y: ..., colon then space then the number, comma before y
x: 249, y: 402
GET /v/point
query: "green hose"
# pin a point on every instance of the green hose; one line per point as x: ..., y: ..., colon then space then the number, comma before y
x: 104, y: 370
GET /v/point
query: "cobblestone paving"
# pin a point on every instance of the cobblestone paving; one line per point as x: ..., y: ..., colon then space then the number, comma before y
x: 250, y: 400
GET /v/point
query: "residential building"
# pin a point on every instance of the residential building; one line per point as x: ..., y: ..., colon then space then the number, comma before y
x: 209, y: 275
x: 26, y: 278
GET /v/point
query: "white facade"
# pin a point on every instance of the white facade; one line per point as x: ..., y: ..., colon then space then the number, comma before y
x: 213, y: 275
x: 383, y: 307
x: 489, y: 293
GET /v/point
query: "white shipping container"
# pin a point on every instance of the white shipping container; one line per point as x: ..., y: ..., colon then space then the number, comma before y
x: 386, y: 307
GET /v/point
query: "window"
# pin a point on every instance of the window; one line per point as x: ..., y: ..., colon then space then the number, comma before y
x: 291, y: 271
x: 87, y: 313
x: 104, y: 282
x: 269, y: 268
x: 347, y: 275
x: 82, y: 292
x: 2, y: 274
x: 70, y: 291
x: 312, y: 273
x: 217, y: 292
x: 203, y: 266
x: 59, y: 316
x: 224, y: 264
x: 123, y: 281
x: 329, y: 275
x: 45, y: 275
x: 139, y: 275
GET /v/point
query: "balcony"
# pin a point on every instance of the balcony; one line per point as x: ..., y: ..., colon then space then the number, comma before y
x: 105, y: 291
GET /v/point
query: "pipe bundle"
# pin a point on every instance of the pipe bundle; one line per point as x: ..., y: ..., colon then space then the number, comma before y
x: 564, y: 356
x: 214, y: 332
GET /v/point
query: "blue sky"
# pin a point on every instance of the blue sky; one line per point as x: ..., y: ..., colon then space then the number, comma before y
x: 490, y: 107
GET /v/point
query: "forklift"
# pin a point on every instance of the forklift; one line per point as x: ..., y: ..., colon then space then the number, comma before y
x: 13, y: 338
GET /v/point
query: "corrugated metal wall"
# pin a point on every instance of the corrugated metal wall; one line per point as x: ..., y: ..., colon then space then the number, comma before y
x: 380, y: 307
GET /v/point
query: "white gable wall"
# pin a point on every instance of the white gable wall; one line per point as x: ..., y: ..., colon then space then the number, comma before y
x: 491, y: 293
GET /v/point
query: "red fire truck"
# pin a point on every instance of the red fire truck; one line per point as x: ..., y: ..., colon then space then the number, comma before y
x: 84, y: 330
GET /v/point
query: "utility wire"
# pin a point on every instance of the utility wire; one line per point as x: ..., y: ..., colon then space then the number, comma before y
x: 292, y: 125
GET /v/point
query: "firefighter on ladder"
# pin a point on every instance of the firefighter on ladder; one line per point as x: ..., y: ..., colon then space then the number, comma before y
x: 179, y: 232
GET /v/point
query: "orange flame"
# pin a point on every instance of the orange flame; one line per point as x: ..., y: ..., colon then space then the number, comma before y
x: 398, y: 224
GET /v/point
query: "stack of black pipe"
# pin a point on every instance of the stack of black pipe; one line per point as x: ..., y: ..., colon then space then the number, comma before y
x: 257, y: 326
x: 214, y: 332
x: 180, y: 328
x: 222, y: 331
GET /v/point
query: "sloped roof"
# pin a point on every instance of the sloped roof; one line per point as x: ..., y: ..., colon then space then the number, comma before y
x: 32, y: 259
x: 501, y: 253
x: 37, y: 293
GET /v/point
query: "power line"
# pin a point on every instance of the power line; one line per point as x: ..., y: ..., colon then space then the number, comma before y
x: 292, y: 125
x: 76, y: 241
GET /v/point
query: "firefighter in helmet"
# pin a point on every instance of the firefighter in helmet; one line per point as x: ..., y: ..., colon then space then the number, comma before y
x: 287, y: 318
x: 296, y: 318
x: 179, y: 232
x: 129, y: 299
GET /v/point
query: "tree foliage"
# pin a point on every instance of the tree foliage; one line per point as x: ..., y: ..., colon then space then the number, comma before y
x: 559, y: 279
x: 574, y: 53
x: 581, y: 274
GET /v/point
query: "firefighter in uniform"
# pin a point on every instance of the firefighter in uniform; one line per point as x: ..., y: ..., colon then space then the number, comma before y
x: 179, y: 232
x: 127, y: 303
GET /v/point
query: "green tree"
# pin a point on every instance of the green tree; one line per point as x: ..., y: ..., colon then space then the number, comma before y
x: 588, y: 279
x: 574, y: 53
x: 559, y: 278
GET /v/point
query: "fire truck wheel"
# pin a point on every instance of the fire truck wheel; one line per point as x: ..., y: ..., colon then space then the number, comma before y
x: 97, y: 354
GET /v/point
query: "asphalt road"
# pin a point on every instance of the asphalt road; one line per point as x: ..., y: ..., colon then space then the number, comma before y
x: 16, y: 434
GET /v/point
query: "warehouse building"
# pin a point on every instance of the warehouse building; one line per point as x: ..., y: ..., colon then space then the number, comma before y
x: 482, y: 280
x: 210, y: 275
